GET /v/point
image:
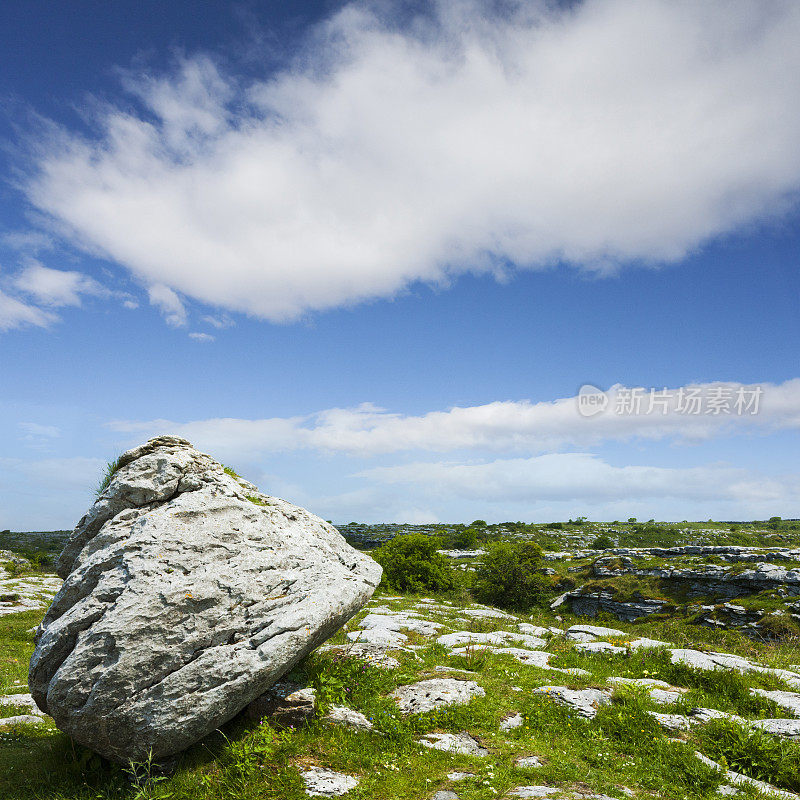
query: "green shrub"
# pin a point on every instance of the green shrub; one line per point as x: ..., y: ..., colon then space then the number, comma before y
x: 779, y: 628
x: 508, y: 576
x: 466, y: 539
x: 411, y: 564
x: 602, y: 543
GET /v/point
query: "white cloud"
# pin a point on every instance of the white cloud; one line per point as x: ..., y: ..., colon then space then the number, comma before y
x: 16, y: 314
x: 607, y: 133
x: 169, y: 304
x: 542, y: 486
x: 201, y: 337
x: 56, y: 287
x: 37, y: 430
x: 563, y: 476
x: 220, y: 322
x: 28, y: 241
x: 502, y: 426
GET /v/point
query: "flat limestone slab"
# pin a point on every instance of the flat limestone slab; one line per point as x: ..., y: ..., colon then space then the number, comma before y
x: 417, y: 698
x: 327, y: 783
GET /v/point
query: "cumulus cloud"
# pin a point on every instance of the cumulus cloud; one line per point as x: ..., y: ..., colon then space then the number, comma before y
x: 16, y: 314
x: 512, y: 426
x: 201, y: 337
x: 169, y: 304
x: 56, y: 287
x: 586, y: 481
x: 580, y: 476
x: 600, y: 134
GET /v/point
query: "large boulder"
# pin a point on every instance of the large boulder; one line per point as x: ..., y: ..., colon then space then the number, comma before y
x: 187, y: 593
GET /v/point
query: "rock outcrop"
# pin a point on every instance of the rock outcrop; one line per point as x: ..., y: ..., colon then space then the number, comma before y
x: 187, y: 593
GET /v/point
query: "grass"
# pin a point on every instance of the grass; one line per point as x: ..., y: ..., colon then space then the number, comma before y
x: 16, y: 649
x: 257, y: 500
x: 110, y: 470
x: 753, y: 752
x: 622, y: 746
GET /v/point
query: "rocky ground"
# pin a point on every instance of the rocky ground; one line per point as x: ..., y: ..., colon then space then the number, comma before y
x: 439, y: 697
x: 22, y: 588
x: 480, y: 703
x: 754, y: 589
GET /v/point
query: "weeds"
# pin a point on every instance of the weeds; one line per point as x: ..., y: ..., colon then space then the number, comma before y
x: 110, y: 470
x: 753, y: 752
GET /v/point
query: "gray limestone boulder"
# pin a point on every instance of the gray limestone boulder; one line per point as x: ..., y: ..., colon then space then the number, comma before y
x: 187, y: 594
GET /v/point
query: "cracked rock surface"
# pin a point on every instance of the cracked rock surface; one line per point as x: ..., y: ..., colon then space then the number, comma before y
x: 187, y: 593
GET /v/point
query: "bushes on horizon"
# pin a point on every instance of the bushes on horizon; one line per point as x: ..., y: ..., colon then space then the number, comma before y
x: 508, y: 576
x: 411, y: 564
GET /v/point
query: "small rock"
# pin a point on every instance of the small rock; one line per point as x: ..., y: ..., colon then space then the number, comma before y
x: 371, y: 653
x: 487, y: 613
x: 21, y: 719
x: 350, y: 718
x: 703, y: 715
x: 664, y: 697
x: 595, y: 630
x: 579, y: 636
x: 534, y: 630
x: 417, y: 698
x: 672, y: 722
x: 528, y: 762
x: 460, y: 638
x: 327, y: 783
x: 509, y: 723
x: 286, y: 704
x: 643, y: 643
x: 378, y: 636
x: 399, y: 621
x: 461, y: 743
x: 533, y: 791
x: 23, y: 700
x: 584, y: 701
x: 533, y: 658
x: 444, y: 794
x: 460, y: 776
x: 599, y: 647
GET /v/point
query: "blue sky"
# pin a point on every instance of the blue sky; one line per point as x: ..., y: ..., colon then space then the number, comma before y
x: 369, y: 255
